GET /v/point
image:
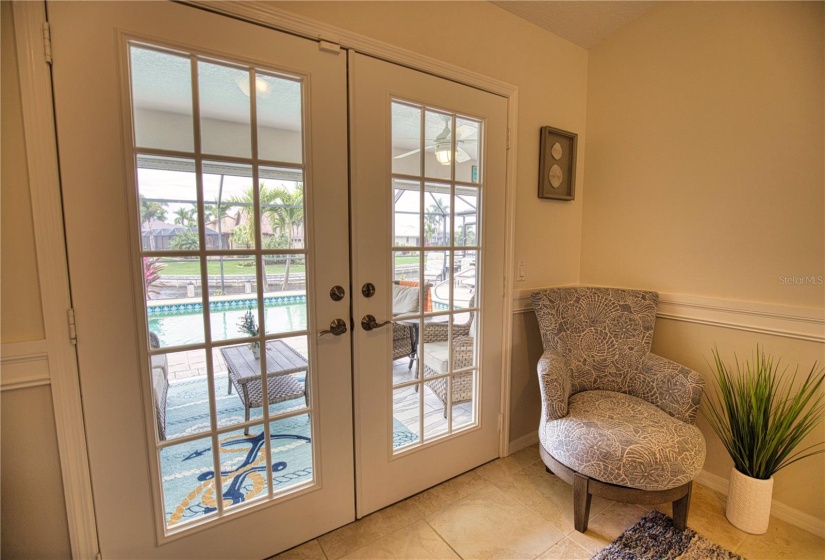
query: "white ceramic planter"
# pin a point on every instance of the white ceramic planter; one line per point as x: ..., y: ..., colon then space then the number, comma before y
x: 749, y: 502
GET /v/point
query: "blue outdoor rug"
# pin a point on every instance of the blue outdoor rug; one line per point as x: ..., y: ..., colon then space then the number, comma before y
x: 188, y: 471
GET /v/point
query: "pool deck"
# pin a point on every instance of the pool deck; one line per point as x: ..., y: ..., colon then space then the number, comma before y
x: 185, y: 365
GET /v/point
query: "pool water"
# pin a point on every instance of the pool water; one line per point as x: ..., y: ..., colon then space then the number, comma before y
x: 181, y: 329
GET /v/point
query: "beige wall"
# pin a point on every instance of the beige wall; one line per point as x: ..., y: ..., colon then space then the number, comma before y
x: 32, y: 510
x: 706, y: 175
x: 706, y: 153
x: 551, y: 75
x: 22, y: 317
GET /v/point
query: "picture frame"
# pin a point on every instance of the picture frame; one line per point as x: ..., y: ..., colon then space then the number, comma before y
x: 557, y: 163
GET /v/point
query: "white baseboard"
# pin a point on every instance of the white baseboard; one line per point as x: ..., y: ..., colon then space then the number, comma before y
x: 523, y: 442
x: 779, y: 510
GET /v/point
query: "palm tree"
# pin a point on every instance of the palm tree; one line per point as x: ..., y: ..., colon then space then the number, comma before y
x: 185, y: 217
x: 286, y: 213
x: 434, y: 221
x: 185, y: 241
x: 244, y: 233
x: 149, y: 212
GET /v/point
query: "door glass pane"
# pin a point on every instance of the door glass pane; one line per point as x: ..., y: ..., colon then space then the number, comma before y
x: 223, y: 92
x: 233, y: 302
x: 440, y: 328
x: 285, y: 302
x: 168, y: 204
x: 188, y: 481
x: 174, y: 301
x: 406, y: 139
x: 437, y: 215
x: 406, y: 416
x: 161, y: 99
x: 281, y: 193
x: 223, y: 243
x: 468, y: 165
x: 438, y: 145
x: 185, y: 408
x: 406, y: 217
x: 279, y: 118
x: 292, y: 457
x: 465, y: 226
x: 464, y: 394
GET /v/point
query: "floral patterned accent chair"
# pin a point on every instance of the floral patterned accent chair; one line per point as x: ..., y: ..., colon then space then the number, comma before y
x: 617, y: 421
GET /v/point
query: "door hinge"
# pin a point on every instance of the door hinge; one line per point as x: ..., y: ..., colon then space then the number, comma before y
x: 329, y: 46
x: 47, y: 42
x: 500, y: 422
x: 72, y: 327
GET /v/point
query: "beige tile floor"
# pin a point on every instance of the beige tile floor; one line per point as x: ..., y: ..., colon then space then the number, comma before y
x: 512, y: 509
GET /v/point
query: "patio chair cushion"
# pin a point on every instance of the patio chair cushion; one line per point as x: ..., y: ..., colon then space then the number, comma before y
x: 437, y: 356
x: 404, y: 299
x: 621, y: 439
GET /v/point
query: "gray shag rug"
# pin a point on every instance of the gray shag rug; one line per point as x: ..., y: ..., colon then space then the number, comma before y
x: 655, y: 538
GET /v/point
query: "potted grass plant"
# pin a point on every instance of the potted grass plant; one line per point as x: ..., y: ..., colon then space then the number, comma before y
x: 762, y: 415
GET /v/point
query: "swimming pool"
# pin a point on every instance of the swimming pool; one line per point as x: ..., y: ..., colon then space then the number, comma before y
x: 182, y: 325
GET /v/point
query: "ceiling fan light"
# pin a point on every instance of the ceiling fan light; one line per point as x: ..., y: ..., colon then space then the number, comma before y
x: 261, y: 86
x: 443, y: 154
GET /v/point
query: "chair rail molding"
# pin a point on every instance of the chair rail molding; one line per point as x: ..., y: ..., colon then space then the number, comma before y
x: 24, y: 365
x: 60, y: 359
x: 803, y: 323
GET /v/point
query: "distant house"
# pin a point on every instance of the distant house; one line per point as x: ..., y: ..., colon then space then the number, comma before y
x: 158, y: 236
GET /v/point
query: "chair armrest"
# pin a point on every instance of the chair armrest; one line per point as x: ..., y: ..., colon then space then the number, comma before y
x: 672, y: 387
x: 555, y: 382
x: 462, y: 352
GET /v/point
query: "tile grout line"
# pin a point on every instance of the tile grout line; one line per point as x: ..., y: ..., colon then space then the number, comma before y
x: 440, y: 536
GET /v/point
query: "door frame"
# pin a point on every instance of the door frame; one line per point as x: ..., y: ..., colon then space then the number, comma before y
x: 34, y: 59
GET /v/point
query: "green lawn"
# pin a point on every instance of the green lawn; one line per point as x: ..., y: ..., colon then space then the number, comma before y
x: 230, y: 268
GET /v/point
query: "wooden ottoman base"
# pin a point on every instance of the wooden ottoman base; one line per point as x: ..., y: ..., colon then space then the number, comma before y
x: 585, y: 487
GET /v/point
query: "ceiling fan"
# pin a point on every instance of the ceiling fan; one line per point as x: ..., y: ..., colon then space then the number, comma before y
x: 441, y: 145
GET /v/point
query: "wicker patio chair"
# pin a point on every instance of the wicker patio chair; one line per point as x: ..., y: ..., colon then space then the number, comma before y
x: 403, y: 335
x: 160, y: 385
x: 617, y: 421
x: 436, y: 362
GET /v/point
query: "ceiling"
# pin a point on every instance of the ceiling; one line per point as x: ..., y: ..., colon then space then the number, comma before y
x: 583, y: 23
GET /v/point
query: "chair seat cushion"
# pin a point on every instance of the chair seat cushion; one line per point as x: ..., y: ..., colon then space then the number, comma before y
x: 623, y: 440
x: 437, y: 356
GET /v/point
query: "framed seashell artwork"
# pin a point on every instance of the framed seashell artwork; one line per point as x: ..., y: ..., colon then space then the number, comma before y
x: 557, y: 163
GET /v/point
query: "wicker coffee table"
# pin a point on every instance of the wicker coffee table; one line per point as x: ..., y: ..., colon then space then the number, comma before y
x: 245, y: 374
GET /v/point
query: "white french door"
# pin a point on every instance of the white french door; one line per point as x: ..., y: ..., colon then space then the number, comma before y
x: 428, y: 212
x: 204, y: 173
x: 215, y: 228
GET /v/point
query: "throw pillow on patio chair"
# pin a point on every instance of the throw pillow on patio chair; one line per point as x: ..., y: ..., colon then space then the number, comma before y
x: 617, y: 421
